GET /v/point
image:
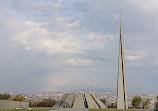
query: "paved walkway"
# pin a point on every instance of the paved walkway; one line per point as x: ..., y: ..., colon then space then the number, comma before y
x: 90, y: 101
x: 79, y: 101
x: 70, y: 109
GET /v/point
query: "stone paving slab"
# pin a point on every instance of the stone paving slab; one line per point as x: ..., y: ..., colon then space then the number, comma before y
x: 70, y: 109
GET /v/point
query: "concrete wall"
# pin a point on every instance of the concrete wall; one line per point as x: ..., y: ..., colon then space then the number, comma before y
x: 5, y: 104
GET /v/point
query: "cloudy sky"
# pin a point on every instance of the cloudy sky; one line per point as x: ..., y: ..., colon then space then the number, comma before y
x: 64, y: 45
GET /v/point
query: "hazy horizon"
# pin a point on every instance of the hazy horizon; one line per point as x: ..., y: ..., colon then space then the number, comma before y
x: 95, y: 90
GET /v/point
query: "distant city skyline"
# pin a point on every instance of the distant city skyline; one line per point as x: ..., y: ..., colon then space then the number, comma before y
x: 65, y: 45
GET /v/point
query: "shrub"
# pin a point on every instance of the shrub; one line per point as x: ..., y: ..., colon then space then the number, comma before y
x: 156, y: 105
x: 19, y: 98
x: 4, y: 96
x: 47, y: 103
x: 112, y: 105
x: 136, y: 102
x: 145, y: 103
x: 44, y: 103
x: 103, y: 100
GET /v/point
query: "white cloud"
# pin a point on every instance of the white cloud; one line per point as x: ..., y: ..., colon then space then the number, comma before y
x: 116, y: 17
x: 58, y: 33
x: 38, y: 39
x: 99, y: 37
x: 99, y: 40
x: 67, y: 22
x: 79, y: 62
x: 133, y: 58
x: 136, y: 56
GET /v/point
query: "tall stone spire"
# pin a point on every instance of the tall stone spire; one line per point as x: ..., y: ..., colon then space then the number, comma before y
x: 121, y: 85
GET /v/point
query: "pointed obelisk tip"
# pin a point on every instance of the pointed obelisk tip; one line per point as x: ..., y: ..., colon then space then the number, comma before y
x: 121, y: 14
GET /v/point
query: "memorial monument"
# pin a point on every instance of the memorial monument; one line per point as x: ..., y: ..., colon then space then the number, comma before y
x: 121, y: 82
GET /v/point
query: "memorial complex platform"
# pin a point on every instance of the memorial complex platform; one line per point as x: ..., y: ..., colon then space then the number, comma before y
x: 79, y: 100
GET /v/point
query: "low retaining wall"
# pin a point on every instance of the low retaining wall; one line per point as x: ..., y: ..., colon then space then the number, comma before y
x: 5, y: 104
